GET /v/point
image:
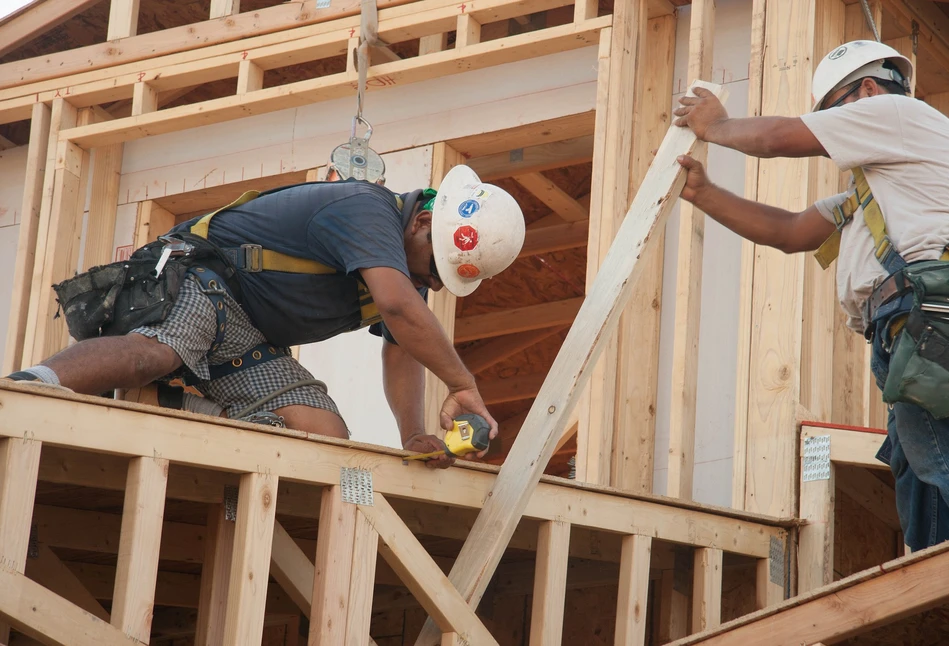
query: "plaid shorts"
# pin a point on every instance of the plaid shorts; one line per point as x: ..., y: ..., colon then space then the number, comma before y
x: 190, y: 331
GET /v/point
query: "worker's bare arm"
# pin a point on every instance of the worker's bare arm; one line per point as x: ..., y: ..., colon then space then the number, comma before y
x: 756, y: 136
x: 762, y: 224
x: 419, y: 333
x: 403, y: 379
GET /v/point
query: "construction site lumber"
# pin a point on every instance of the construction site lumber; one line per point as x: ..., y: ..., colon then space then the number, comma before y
x: 844, y: 609
x: 35, y: 19
x: 571, y: 370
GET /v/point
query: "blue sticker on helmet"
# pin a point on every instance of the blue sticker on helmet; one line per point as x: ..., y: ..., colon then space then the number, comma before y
x: 468, y: 208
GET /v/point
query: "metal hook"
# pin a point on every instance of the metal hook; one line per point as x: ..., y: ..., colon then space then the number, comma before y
x: 359, y: 119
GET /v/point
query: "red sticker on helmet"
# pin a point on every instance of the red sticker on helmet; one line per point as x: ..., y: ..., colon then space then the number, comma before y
x: 468, y: 271
x: 466, y: 238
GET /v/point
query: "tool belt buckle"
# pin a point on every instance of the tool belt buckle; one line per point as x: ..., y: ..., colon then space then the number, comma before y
x: 176, y: 247
x: 253, y: 257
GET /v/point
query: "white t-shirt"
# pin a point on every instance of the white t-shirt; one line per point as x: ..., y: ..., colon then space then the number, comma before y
x: 903, y: 146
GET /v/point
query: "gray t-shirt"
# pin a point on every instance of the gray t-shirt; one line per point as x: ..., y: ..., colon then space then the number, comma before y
x: 902, y: 144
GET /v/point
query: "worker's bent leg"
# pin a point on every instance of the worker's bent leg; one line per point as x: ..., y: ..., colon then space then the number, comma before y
x: 313, y: 420
x: 95, y: 366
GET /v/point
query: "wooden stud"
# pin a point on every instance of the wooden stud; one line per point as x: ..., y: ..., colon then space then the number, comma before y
x: 19, y: 467
x: 554, y: 197
x: 443, y: 303
x: 584, y: 10
x: 103, y: 205
x: 250, y: 563
x: 688, y: 294
x: 222, y: 8
x: 28, y: 240
x: 334, y: 559
x: 123, y: 19
x: 137, y: 567
x: 634, y: 429
x: 468, y: 31
x: 404, y: 554
x: 144, y: 98
x: 433, y: 43
x: 50, y: 572
x: 673, y: 609
x: 767, y: 592
x: 361, y: 583
x: 707, y: 589
x: 215, y: 577
x: 292, y: 569
x: 250, y: 77
x: 35, y: 20
x: 571, y: 371
x: 631, y: 605
x: 778, y: 278
x: 815, y: 553
x: 151, y: 221
x: 519, y: 319
x: 45, y: 616
x: 550, y: 583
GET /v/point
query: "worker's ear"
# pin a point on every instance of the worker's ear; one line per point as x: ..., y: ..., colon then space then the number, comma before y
x: 422, y: 222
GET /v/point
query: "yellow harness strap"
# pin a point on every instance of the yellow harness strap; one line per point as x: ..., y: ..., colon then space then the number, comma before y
x: 872, y: 216
x: 275, y: 261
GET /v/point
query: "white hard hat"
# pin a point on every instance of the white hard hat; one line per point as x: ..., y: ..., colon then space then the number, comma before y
x: 853, y: 61
x: 477, y: 230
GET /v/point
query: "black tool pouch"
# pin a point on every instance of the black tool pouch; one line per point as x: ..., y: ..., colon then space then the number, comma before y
x: 919, y: 361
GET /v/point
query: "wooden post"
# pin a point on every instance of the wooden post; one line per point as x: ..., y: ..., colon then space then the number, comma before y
x: 618, y: 80
x: 215, y: 577
x: 123, y: 19
x: 250, y: 77
x: 815, y: 553
x: 19, y: 467
x: 707, y: 589
x: 584, y: 10
x: 550, y: 583
x: 362, y: 580
x: 468, y: 31
x: 250, y: 563
x: 634, y: 434
x: 334, y: 558
x: 777, y: 291
x: 767, y: 592
x: 570, y: 373
x: 631, y: 605
x: 136, y: 571
x: 27, y: 242
x: 673, y: 609
x: 144, y: 98
x: 443, y: 303
x: 103, y: 204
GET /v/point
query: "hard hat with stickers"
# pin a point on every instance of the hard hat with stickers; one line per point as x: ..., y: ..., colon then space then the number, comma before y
x: 477, y: 230
x: 856, y: 60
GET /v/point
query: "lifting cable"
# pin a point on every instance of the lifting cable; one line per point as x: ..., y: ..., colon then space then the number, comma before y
x: 866, y: 13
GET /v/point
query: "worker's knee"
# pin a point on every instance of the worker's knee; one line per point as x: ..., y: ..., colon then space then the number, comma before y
x: 313, y: 420
x: 151, y: 359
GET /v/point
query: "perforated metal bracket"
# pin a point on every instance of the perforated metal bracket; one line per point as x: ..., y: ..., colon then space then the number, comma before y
x: 322, y: 4
x: 816, y: 464
x: 776, y: 559
x: 356, y: 486
x: 33, y: 548
x: 230, y: 503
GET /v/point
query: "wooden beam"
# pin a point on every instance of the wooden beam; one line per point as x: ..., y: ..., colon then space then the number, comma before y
x: 292, y: 569
x: 215, y: 577
x: 36, y: 19
x: 151, y: 221
x: 637, y: 376
x: 557, y: 237
x: 28, y: 240
x: 47, y: 617
x: 51, y: 573
x: 137, y: 566
x: 221, y: 8
x: 103, y: 205
x: 519, y: 319
x: 815, y: 554
x: 433, y: 43
x: 554, y: 197
x: 688, y: 294
x: 443, y: 304
x: 404, y: 554
x: 481, y: 357
x: 250, y: 564
x: 361, y: 582
x: 550, y: 584
x: 123, y: 19
x: 631, y: 605
x: 19, y: 466
x: 535, y: 134
x: 334, y: 560
x: 534, y: 159
x: 570, y: 372
x: 707, y: 589
x: 511, y: 389
x: 846, y: 608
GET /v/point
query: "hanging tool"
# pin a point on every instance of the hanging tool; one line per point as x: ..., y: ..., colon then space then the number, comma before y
x: 469, y: 434
x: 355, y: 159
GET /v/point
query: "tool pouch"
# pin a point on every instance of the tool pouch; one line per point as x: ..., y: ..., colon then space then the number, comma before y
x: 919, y: 361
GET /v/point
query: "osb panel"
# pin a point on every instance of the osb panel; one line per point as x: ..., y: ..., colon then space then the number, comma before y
x: 738, y: 587
x: 590, y: 616
x: 861, y: 540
